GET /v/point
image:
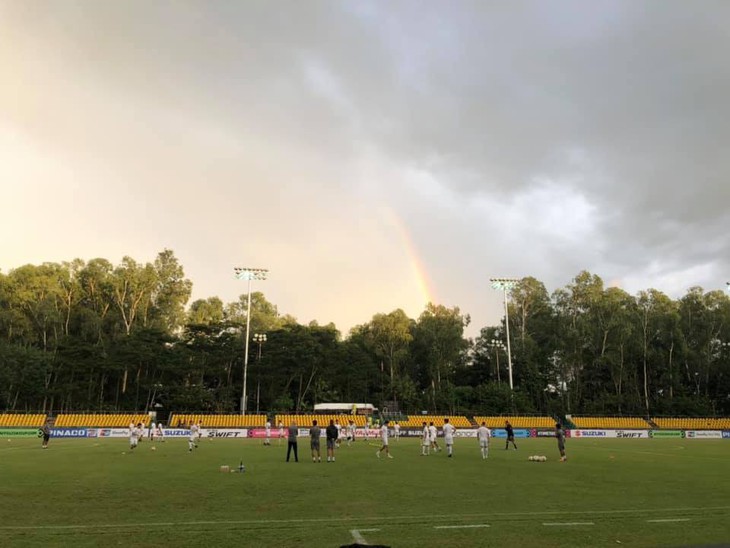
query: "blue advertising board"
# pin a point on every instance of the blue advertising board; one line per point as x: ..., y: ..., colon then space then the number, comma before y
x: 69, y: 432
x: 519, y: 433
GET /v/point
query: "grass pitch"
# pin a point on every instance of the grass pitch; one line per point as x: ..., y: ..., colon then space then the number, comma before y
x: 610, y: 492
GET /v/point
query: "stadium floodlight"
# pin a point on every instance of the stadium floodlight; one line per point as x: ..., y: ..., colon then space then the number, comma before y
x: 248, y: 274
x: 260, y: 339
x: 505, y: 285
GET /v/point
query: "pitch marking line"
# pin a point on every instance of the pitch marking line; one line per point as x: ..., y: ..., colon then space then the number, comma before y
x: 568, y: 523
x: 666, y: 520
x: 395, y: 519
x: 460, y: 526
x: 357, y: 536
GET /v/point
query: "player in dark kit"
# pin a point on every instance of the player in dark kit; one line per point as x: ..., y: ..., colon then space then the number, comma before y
x: 560, y: 435
x: 510, y: 435
x: 45, y: 432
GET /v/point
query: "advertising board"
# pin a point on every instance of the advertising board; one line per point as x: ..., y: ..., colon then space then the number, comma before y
x: 632, y: 434
x: 502, y: 433
x: 223, y: 433
x: 592, y: 433
x: 18, y: 432
x: 726, y: 434
x: 71, y: 432
x: 465, y: 433
x: 703, y: 434
x: 666, y: 434
x: 544, y: 433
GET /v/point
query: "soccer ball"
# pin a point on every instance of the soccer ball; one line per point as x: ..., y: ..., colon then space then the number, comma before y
x: 543, y: 458
x: 531, y: 458
x: 153, y: 448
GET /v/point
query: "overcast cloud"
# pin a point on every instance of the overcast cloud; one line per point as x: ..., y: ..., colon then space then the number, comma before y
x: 509, y: 138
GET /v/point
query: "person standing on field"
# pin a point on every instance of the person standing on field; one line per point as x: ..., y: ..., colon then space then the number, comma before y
x: 425, y: 440
x: 267, y: 428
x: 449, y: 436
x: 483, y: 436
x: 434, y: 437
x: 396, y: 431
x: 46, y: 433
x: 314, y: 433
x: 333, y: 436
x: 292, y: 444
x: 384, y: 439
x: 510, y: 435
x: 560, y: 435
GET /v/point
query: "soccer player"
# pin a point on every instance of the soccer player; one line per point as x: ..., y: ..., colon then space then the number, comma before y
x: 434, y: 435
x: 425, y: 440
x: 160, y: 431
x: 200, y: 430
x: 46, y: 433
x: 351, y: 428
x: 449, y: 436
x: 396, y: 431
x: 193, y: 437
x: 314, y: 442
x: 384, y: 439
x: 153, y: 431
x: 281, y: 431
x: 560, y: 434
x: 510, y: 435
x: 133, y: 437
x: 333, y: 434
x: 267, y: 440
x: 292, y: 442
x: 339, y: 428
x: 483, y: 435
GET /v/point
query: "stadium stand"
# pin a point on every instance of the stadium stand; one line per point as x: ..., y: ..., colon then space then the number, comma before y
x: 517, y: 422
x: 218, y: 421
x: 693, y: 423
x: 12, y: 420
x: 416, y: 421
x: 105, y: 420
x: 305, y: 421
x: 610, y: 422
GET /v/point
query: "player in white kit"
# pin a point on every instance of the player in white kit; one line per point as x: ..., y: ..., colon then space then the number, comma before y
x: 339, y: 433
x: 160, y: 431
x: 449, y: 436
x: 351, y: 433
x: 483, y: 435
x: 425, y: 440
x: 133, y: 436
x: 267, y: 440
x: 434, y: 438
x: 384, y: 439
x: 281, y: 431
x: 153, y: 431
x: 396, y: 431
x: 193, y: 437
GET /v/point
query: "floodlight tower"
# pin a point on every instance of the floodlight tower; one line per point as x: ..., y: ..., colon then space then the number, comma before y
x: 248, y: 274
x: 506, y: 284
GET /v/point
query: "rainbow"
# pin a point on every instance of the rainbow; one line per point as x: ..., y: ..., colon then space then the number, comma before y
x: 420, y: 275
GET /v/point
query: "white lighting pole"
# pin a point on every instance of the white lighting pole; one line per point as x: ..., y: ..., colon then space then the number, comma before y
x: 506, y: 284
x: 248, y: 274
x: 260, y: 339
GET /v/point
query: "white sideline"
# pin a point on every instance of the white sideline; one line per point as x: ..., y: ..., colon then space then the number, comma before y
x: 357, y: 536
x: 568, y: 523
x: 460, y: 526
x: 417, y: 518
x: 666, y: 520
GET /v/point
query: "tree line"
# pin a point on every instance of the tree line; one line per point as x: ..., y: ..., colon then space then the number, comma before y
x: 94, y: 336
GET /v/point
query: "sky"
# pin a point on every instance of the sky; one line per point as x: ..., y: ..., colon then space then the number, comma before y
x: 373, y: 155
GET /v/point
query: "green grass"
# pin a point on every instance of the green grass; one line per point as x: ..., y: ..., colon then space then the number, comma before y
x: 169, y: 497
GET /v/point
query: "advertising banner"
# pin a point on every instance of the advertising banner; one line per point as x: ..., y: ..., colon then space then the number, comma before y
x: 726, y: 434
x: 643, y: 434
x: 225, y: 433
x: 666, y: 434
x: 18, y: 432
x: 112, y: 432
x: 592, y: 433
x: 544, y: 433
x: 465, y: 433
x: 70, y: 432
x: 703, y: 434
x: 261, y: 433
x: 502, y: 433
